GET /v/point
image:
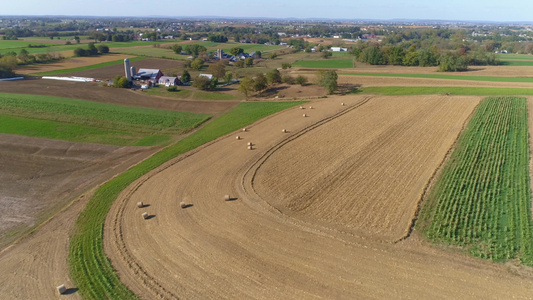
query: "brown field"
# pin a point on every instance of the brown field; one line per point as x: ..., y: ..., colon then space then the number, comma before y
x: 265, y: 243
x: 362, y: 176
x: 74, y: 62
x: 247, y: 248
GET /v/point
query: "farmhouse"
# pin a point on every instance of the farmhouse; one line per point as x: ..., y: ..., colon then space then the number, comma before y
x: 168, y: 80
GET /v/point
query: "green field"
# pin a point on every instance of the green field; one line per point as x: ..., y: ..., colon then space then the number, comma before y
x: 515, y: 56
x: 482, y: 199
x: 431, y: 90
x: 89, y: 267
x: 92, y: 122
x: 516, y: 63
x: 326, y: 63
x: 248, y: 48
x: 90, y: 67
x: 151, y: 52
x: 446, y: 76
x: 16, y: 45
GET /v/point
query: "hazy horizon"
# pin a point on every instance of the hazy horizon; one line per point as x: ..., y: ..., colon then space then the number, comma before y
x: 452, y: 10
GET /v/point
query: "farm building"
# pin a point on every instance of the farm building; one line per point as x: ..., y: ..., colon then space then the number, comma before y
x: 338, y: 49
x: 149, y: 74
x: 168, y: 81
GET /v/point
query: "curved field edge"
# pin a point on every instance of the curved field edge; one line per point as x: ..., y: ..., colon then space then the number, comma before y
x: 89, y: 267
x: 431, y: 90
x: 481, y: 202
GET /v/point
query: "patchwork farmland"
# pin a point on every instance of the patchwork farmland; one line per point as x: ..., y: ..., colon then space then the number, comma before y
x: 337, y: 204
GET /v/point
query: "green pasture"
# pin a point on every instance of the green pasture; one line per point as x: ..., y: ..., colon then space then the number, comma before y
x: 325, y: 63
x: 151, y: 52
x: 93, y: 122
x: 481, y: 201
x: 514, y: 56
x: 516, y: 63
x: 447, y: 76
x: 89, y: 267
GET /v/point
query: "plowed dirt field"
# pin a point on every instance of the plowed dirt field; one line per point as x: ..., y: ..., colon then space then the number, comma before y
x: 258, y: 246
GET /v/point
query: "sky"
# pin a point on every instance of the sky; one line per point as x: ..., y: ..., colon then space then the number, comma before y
x: 465, y: 10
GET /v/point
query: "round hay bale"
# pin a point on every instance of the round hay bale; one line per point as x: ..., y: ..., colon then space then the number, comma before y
x: 140, y: 204
x: 238, y: 137
x: 183, y: 205
x: 342, y: 103
x: 227, y: 198
x: 250, y: 148
x: 284, y: 130
x: 304, y: 115
x: 250, y: 144
x: 61, y: 289
x: 145, y: 215
x: 301, y: 107
x: 244, y: 129
x: 310, y: 107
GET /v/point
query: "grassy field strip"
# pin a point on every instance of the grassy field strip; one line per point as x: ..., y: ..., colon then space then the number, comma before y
x: 94, y: 122
x: 89, y: 267
x: 516, y: 63
x: 482, y: 199
x: 191, y: 94
x: 445, y: 76
x: 515, y: 56
x: 90, y: 67
x: 406, y: 90
x: 326, y: 63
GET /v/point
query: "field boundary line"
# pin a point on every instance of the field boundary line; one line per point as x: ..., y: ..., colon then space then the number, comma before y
x: 434, y: 177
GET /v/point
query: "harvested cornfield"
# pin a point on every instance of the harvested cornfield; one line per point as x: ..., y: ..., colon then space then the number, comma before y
x: 248, y: 249
x: 365, y: 170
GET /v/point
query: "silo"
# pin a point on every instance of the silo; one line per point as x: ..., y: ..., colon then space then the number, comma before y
x: 133, y: 72
x: 127, y: 68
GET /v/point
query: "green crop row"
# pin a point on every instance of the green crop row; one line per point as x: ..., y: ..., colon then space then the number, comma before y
x: 90, y: 268
x: 326, y: 63
x: 482, y: 199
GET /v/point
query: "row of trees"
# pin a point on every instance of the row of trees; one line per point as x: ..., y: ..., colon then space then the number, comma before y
x: 447, y: 60
x: 91, y: 50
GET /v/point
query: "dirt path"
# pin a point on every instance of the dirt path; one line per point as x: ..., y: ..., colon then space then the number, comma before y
x: 246, y: 248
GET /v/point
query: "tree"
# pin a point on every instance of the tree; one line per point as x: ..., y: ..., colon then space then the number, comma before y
x: 7, y: 64
x: 228, y: 76
x: 260, y: 83
x: 249, y: 61
x: 217, y: 69
x: 328, y: 80
x: 235, y: 51
x: 103, y: 49
x: 258, y: 54
x: 326, y: 54
x: 273, y: 77
x: 272, y: 55
x: 411, y: 57
x: 246, y: 86
x: 287, y: 79
x: 80, y: 52
x: 239, y: 64
x: 185, y: 77
x: 121, y: 82
x: 24, y: 56
x: 394, y: 55
x: 427, y: 57
x: 197, y: 63
x: 92, y: 49
x: 201, y: 82
x: 373, y: 55
x: 177, y: 49
x: 301, y: 80
x: 452, y: 62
